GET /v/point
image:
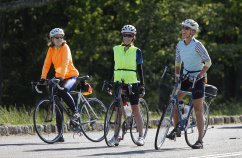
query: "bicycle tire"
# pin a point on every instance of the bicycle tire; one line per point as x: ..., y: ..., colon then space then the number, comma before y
x: 45, y: 122
x: 164, y: 125
x: 191, y: 132
x: 93, y: 130
x: 109, y: 125
x: 145, y: 116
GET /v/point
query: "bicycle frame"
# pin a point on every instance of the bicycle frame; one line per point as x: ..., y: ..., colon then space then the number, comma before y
x: 182, y: 121
x: 81, y: 98
x: 55, y: 100
x: 52, y: 106
x: 187, y: 122
x: 119, y: 99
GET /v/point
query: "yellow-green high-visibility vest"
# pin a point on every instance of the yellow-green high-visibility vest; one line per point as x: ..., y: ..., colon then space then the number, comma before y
x: 125, y: 64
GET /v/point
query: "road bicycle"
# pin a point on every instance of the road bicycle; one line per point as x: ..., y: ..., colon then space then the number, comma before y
x: 47, y: 111
x: 113, y: 120
x: 188, y: 124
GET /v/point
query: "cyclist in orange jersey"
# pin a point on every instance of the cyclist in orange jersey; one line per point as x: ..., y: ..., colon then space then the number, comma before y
x: 60, y: 55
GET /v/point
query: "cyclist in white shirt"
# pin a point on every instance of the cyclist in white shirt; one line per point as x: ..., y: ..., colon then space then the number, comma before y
x: 196, y: 62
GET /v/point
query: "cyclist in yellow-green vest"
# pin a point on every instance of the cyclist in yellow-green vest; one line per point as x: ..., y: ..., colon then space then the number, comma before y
x: 126, y: 60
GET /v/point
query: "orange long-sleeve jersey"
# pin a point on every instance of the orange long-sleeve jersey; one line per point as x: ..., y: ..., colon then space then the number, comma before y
x: 62, y: 61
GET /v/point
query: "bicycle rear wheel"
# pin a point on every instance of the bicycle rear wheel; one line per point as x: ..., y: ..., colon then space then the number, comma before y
x: 191, y: 132
x: 45, y: 119
x: 112, y: 123
x: 92, y: 119
x: 144, y: 111
x: 164, y: 125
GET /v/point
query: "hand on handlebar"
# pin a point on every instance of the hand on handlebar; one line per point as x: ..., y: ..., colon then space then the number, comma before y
x: 110, y: 92
x: 191, y: 79
x: 46, y: 82
x: 42, y: 81
x: 175, y: 84
x: 109, y: 89
x: 61, y: 79
x: 142, y: 92
x: 196, y: 78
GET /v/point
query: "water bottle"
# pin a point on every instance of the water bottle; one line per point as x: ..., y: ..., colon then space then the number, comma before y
x: 127, y: 108
x: 181, y: 107
x: 186, y: 110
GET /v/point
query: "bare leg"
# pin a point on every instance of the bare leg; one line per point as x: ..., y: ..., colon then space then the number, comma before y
x: 120, y: 116
x: 138, y: 119
x: 175, y: 114
x: 198, y: 106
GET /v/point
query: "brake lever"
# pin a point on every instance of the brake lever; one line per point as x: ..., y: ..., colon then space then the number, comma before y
x: 104, y: 83
x: 56, y: 82
x: 194, y: 80
x: 164, y: 73
x: 130, y: 89
x: 32, y: 86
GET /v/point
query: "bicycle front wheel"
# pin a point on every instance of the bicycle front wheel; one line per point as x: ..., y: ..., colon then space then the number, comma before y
x: 164, y: 125
x: 92, y: 119
x: 45, y: 119
x: 112, y: 123
x: 144, y: 111
x: 191, y: 132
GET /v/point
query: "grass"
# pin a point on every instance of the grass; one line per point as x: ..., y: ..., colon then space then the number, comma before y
x: 228, y: 108
x: 16, y: 116
x: 24, y: 116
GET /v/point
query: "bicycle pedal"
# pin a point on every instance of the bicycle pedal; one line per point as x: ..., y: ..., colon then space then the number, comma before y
x: 120, y: 138
x: 77, y: 133
x: 175, y: 138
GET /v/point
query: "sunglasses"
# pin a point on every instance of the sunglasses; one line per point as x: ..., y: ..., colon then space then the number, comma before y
x: 128, y: 35
x: 186, y: 28
x: 58, y: 37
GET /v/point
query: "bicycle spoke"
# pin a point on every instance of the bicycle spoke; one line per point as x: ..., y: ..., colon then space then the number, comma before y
x: 92, y: 119
x: 164, y: 125
x: 45, y: 120
x: 144, y: 111
x: 112, y: 124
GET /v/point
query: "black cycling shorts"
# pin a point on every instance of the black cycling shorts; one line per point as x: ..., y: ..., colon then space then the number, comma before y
x: 134, y: 99
x: 199, y: 88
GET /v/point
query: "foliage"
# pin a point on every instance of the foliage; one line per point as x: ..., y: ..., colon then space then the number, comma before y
x: 16, y: 115
x: 230, y: 107
x: 92, y: 28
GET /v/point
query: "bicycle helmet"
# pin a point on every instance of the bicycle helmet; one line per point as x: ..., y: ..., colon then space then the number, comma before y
x: 56, y: 31
x: 129, y: 28
x: 191, y: 23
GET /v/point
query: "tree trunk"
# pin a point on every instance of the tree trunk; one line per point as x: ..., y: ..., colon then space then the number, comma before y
x: 238, y: 84
x: 2, y: 30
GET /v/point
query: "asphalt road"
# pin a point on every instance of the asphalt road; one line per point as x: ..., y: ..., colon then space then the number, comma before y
x: 220, y: 141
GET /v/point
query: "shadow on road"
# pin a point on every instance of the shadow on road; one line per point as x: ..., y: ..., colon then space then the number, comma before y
x: 137, y: 152
x: 26, y: 144
x: 234, y: 127
x: 23, y: 144
x: 67, y: 149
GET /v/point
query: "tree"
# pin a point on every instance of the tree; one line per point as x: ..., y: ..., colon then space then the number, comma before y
x: 6, y: 6
x: 93, y: 27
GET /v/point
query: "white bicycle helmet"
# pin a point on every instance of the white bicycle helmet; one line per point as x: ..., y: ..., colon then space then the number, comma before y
x: 129, y: 28
x: 56, y: 31
x: 191, y: 23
